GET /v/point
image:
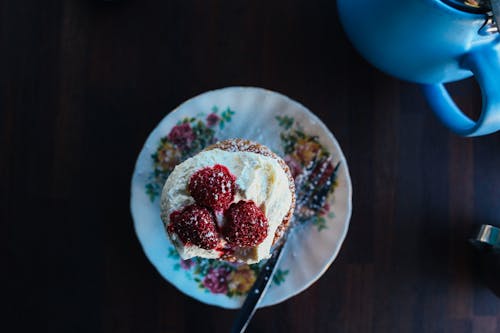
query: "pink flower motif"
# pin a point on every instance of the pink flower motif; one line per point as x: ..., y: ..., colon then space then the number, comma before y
x: 182, y: 135
x: 325, y: 209
x: 216, y: 280
x: 212, y: 119
x: 294, y: 165
x: 187, y: 264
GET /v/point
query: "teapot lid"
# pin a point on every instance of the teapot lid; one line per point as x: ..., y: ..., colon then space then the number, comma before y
x: 471, y: 6
x: 491, y: 8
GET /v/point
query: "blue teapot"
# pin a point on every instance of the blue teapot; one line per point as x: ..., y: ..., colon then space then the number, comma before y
x: 433, y: 42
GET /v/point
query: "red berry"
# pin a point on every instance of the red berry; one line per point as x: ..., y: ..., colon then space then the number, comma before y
x: 195, y: 225
x: 246, y: 225
x: 213, y: 187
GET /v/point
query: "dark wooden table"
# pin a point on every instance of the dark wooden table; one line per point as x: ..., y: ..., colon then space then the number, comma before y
x: 84, y: 82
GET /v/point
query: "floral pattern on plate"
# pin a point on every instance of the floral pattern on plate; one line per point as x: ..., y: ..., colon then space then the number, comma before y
x: 188, y: 137
x: 191, y: 135
x: 287, y: 128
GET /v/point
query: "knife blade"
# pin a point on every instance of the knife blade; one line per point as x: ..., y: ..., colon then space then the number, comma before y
x: 258, y: 290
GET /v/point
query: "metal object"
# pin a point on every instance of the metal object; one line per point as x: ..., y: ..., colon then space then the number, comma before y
x: 489, y: 27
x: 495, y: 9
x: 486, y: 240
x: 258, y: 291
x: 491, y: 8
x: 312, y: 191
x: 487, y: 237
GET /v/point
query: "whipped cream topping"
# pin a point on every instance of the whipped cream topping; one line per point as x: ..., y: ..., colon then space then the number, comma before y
x: 258, y: 178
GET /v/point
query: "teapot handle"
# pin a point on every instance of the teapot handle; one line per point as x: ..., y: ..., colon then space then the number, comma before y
x: 484, y: 62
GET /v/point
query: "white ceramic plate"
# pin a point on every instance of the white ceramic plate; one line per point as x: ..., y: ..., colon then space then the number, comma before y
x: 275, y: 121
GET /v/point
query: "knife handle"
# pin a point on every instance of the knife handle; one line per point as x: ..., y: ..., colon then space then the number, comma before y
x: 256, y: 293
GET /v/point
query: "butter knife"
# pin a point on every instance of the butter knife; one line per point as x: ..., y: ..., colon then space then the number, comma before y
x: 258, y: 290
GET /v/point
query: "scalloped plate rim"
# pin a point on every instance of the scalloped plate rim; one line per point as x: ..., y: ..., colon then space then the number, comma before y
x: 191, y: 292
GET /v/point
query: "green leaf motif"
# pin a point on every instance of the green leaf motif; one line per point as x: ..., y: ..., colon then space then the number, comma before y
x: 285, y: 122
x: 226, y: 116
x: 152, y: 191
x: 302, y: 135
x: 320, y: 223
x: 172, y: 253
x: 279, y: 276
x: 288, y: 141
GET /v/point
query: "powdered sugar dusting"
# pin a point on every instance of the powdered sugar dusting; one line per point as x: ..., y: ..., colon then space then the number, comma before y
x: 260, y: 179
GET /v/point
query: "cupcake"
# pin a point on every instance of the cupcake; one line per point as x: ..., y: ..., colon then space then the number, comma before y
x: 232, y: 201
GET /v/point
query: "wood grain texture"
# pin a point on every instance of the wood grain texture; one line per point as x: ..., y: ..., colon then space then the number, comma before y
x: 83, y: 83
